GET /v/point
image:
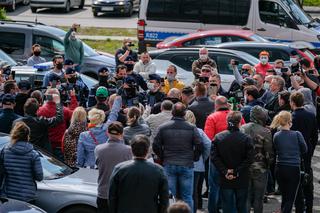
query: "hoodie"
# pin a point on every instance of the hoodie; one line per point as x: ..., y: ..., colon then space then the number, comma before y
x: 23, y: 167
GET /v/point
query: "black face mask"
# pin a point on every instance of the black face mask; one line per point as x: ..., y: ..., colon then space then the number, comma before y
x: 59, y: 66
x: 103, y: 80
x: 37, y: 53
x: 72, y: 80
x: 130, y: 92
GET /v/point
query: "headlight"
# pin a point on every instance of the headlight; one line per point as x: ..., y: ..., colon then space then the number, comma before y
x: 121, y: 3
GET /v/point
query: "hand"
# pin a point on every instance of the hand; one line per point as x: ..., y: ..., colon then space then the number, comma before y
x: 56, y: 98
x: 127, y: 52
x: 232, y: 63
x: 75, y: 26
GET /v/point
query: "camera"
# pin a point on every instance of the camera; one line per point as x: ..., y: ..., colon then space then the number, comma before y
x: 295, y: 68
x: 131, y: 45
x: 284, y: 69
x: 235, y: 62
x: 203, y: 79
x: 237, y: 94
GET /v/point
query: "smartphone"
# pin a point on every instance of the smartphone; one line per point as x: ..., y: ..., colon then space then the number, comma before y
x: 284, y: 69
x: 235, y: 62
x: 203, y: 79
x: 13, y: 74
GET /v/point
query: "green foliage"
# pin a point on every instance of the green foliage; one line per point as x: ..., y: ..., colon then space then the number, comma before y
x: 3, y: 15
x: 311, y: 2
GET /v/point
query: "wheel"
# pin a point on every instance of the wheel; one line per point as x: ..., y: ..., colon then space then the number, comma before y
x: 95, y: 14
x: 67, y: 8
x: 34, y: 9
x: 81, y: 5
x: 26, y: 2
x: 80, y: 209
x: 12, y: 7
x: 130, y: 11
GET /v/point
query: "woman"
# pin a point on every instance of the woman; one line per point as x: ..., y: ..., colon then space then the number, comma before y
x: 135, y: 125
x: 78, y: 124
x: 284, y: 102
x: 22, y: 165
x: 289, y: 146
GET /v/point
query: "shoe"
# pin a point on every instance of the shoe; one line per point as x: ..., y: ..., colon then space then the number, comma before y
x: 205, y: 194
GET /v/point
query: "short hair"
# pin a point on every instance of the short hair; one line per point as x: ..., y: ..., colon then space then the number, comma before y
x: 31, y: 106
x: 179, y: 110
x: 200, y: 89
x: 96, y: 116
x: 221, y: 101
x: 280, y: 81
x: 253, y: 91
x: 234, y: 118
x: 121, y: 67
x: 188, y: 91
x: 34, y: 46
x: 8, y: 86
x: 179, y: 207
x: 174, y: 93
x: 174, y: 68
x: 285, y: 95
x: 57, y: 57
x: 305, y: 62
x: 297, y: 98
x: 37, y: 94
x: 140, y: 145
x: 216, y: 75
x: 115, y: 128
x: 279, y: 61
x: 166, y: 105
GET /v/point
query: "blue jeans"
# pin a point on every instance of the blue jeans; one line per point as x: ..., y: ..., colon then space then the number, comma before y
x: 181, y: 178
x: 214, y: 188
x: 234, y: 199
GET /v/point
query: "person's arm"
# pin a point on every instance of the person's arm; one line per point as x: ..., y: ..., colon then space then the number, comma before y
x: 157, y: 145
x: 302, y: 143
x: 30, y: 61
x: 81, y: 53
x: 195, y: 69
x: 136, y: 68
x: 66, y: 37
x: 53, y: 121
x: 294, y: 83
x: 210, y: 128
x: 216, y: 158
x: 73, y: 101
x: 45, y: 82
x: 113, y: 191
x: 198, y: 145
x: 163, y: 193
x: 249, y: 156
x: 206, y: 145
x: 268, y: 147
x: 311, y: 84
x: 113, y: 116
x: 236, y: 73
x: 142, y: 83
x: 123, y: 57
x: 80, y: 151
x: 37, y: 168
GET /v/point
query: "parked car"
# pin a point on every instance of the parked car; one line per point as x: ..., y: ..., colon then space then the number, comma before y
x: 64, y: 189
x: 11, y: 4
x: 276, y: 50
x: 66, y: 5
x: 8, y: 205
x: 18, y: 37
x: 126, y: 7
x: 210, y: 37
x: 8, y: 59
x: 183, y: 58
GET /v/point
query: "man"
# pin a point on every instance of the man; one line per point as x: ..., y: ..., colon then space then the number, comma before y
x: 57, y: 70
x: 259, y: 84
x: 7, y: 116
x: 74, y: 47
x: 22, y: 96
x: 139, y: 81
x: 145, y: 66
x: 178, y: 145
x: 108, y: 155
x: 216, y: 123
x: 203, y: 60
x: 126, y: 55
x: 101, y: 97
x: 154, y: 95
x: 9, y: 87
x: 272, y: 105
x: 120, y: 75
x: 232, y: 155
x: 35, y: 58
x: 138, y: 185
x: 263, y: 65
x: 263, y: 158
x: 215, y: 82
x: 304, y: 122
x: 171, y: 81
x: 154, y: 121
x: 174, y: 95
x: 251, y: 96
x: 187, y: 95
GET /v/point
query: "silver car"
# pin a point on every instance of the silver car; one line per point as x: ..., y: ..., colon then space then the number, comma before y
x: 66, y: 5
x: 64, y: 189
x: 11, y: 4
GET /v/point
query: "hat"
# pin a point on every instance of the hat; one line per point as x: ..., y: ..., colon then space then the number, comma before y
x: 24, y: 85
x: 103, y: 69
x: 130, y: 80
x: 102, y: 92
x: 258, y: 115
x: 8, y: 99
x: 155, y: 77
x: 68, y: 62
x: 70, y: 70
x: 54, y: 77
x: 248, y: 81
x: 115, y: 128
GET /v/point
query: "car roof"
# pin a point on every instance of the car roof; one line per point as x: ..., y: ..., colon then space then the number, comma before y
x: 252, y: 44
x: 222, y: 32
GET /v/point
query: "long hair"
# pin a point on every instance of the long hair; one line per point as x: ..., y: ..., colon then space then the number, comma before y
x: 19, y: 132
x: 282, y: 119
x: 133, y: 115
x: 79, y: 115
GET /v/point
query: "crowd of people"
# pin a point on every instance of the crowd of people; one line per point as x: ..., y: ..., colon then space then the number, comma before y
x: 154, y: 138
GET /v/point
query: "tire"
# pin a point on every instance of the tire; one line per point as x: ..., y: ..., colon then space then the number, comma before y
x: 34, y: 9
x: 26, y: 2
x: 81, y: 5
x: 67, y: 8
x: 130, y: 12
x: 95, y: 14
x: 12, y: 7
x: 80, y: 209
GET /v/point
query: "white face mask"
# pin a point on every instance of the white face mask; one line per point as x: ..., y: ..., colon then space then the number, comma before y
x: 203, y: 57
x: 266, y: 86
x: 293, y: 60
x: 278, y: 71
x: 264, y: 60
x: 151, y: 86
x: 73, y: 36
x: 170, y: 77
x: 297, y: 78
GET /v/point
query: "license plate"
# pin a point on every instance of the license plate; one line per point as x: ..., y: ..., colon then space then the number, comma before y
x: 107, y: 9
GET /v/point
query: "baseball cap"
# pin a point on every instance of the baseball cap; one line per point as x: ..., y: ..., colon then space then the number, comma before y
x: 103, y: 69
x: 70, y: 70
x: 115, y: 128
x: 155, y: 77
x: 24, y: 85
x: 8, y: 99
x: 130, y: 80
x: 68, y: 62
x: 102, y: 92
x: 248, y: 81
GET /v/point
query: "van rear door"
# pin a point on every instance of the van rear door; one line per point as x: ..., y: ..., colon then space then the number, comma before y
x: 272, y: 21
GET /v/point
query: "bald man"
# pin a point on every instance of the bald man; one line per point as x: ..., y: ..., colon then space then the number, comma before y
x: 203, y: 60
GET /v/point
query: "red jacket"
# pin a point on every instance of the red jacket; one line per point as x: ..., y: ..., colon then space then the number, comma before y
x: 48, y: 110
x: 262, y: 69
x: 216, y: 123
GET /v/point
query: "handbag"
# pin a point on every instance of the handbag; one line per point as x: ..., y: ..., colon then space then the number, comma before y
x: 2, y: 170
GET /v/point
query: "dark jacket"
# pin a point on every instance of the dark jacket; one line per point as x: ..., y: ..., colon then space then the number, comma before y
x: 20, y: 99
x: 233, y: 150
x: 39, y: 128
x: 273, y: 106
x: 138, y: 186
x: 139, y: 81
x: 178, y: 143
x: 155, y: 97
x: 202, y: 107
x: 23, y: 167
x: 7, y: 117
x: 247, y: 109
x: 198, y: 64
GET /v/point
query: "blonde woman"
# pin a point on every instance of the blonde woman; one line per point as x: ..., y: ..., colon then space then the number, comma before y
x: 22, y: 165
x: 289, y: 147
x: 78, y: 124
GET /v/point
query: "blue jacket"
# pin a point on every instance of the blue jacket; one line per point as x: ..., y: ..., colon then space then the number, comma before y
x: 87, y: 143
x: 247, y: 109
x: 199, y: 165
x: 7, y: 116
x: 23, y: 167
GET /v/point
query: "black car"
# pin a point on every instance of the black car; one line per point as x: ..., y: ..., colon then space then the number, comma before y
x: 10, y: 206
x: 125, y: 7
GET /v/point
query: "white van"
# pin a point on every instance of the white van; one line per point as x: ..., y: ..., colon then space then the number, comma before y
x: 277, y: 20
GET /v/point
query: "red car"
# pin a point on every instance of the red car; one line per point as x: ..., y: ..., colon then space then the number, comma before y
x: 210, y: 37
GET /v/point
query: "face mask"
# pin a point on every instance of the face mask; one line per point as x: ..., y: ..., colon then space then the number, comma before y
x: 103, y: 80
x: 264, y: 60
x: 297, y: 78
x: 37, y: 53
x: 151, y: 86
x: 278, y: 71
x: 170, y: 77
x: 59, y: 66
x: 203, y: 57
x: 266, y: 86
x: 73, y: 36
x: 293, y: 60
x: 72, y: 80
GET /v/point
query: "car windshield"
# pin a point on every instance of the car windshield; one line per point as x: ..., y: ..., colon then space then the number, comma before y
x: 258, y: 38
x: 5, y: 57
x: 297, y: 12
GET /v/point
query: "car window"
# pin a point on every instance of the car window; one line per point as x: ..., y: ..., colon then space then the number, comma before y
x: 184, y: 60
x: 35, y: 79
x: 234, y: 39
x: 273, y: 13
x: 223, y: 62
x: 49, y: 46
x: 12, y: 43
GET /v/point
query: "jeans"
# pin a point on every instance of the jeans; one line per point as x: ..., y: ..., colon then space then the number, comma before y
x: 181, y: 178
x: 288, y: 178
x: 234, y: 199
x: 214, y: 188
x: 103, y: 206
x: 197, y: 189
x: 257, y: 188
